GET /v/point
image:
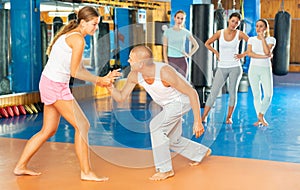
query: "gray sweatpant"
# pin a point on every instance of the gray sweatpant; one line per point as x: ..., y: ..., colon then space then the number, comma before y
x: 234, y: 74
x: 166, y: 131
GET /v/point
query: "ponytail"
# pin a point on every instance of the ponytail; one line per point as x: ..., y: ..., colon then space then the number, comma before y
x: 70, y: 26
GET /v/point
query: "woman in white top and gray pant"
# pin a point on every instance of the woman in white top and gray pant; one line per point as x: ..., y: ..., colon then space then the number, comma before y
x: 260, y: 49
x: 229, y: 65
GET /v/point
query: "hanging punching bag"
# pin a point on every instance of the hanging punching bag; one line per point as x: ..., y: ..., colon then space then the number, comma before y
x: 282, y: 33
x: 201, y: 68
x: 44, y: 42
x: 102, y: 51
x: 242, y: 27
x: 219, y: 24
x: 4, y: 51
x: 202, y: 29
x: 57, y: 24
x: 72, y: 16
x: 3, y: 43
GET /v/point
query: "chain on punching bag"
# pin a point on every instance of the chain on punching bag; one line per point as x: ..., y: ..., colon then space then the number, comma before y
x: 282, y: 33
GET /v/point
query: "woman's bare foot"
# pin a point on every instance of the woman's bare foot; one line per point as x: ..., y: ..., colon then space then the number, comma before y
x: 92, y: 177
x: 162, y: 175
x: 25, y: 171
x: 204, y: 119
x: 229, y: 120
x: 208, y: 153
x: 261, y: 118
x: 257, y: 123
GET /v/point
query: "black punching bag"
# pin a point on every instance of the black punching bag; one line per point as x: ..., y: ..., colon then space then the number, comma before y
x: 202, y: 29
x: 72, y: 16
x: 4, y: 41
x: 282, y: 33
x: 57, y: 24
x: 4, y: 52
x: 219, y: 24
x: 242, y: 27
x: 44, y: 42
x: 102, y: 49
x: 219, y: 20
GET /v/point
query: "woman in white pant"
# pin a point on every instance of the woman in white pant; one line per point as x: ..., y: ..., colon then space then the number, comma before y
x: 260, y: 49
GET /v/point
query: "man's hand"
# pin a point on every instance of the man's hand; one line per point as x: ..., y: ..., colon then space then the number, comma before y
x: 198, y: 129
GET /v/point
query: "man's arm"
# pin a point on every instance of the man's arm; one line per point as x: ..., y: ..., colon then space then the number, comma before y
x: 122, y: 95
x: 175, y: 80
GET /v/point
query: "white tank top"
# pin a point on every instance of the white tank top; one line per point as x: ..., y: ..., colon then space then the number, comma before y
x: 58, y: 65
x: 227, y: 50
x: 161, y: 94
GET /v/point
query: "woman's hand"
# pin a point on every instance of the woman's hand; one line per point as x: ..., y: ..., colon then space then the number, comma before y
x: 109, y: 78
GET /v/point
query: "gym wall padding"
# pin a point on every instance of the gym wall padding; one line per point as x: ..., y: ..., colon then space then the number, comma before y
x: 282, y: 34
x: 251, y: 15
x: 26, y: 60
x: 123, y: 20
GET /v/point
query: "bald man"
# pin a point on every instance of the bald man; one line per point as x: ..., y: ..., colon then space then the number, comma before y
x: 176, y: 97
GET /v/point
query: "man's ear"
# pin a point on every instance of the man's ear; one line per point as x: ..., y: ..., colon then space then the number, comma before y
x: 141, y: 64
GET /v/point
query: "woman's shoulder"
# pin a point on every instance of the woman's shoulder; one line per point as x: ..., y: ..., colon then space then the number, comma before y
x: 271, y: 38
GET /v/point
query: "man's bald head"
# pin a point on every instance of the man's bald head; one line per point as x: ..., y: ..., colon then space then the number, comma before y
x: 143, y: 53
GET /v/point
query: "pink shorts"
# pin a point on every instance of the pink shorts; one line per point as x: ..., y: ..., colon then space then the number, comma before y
x: 51, y: 91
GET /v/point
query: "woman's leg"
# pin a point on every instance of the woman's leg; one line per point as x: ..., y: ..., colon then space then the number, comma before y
x: 267, y: 85
x: 235, y: 76
x: 218, y: 82
x: 180, y: 64
x: 50, y: 124
x: 72, y: 112
x: 254, y: 80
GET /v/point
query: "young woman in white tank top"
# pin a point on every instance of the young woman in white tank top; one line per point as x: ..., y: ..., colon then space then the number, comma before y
x: 228, y: 64
x: 65, y: 60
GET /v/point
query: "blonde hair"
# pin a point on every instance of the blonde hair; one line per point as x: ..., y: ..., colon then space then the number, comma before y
x: 86, y: 13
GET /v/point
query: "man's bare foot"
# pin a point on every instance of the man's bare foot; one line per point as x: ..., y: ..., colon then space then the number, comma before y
x: 92, y: 177
x: 162, y: 175
x: 229, y: 120
x: 208, y: 153
x: 24, y: 171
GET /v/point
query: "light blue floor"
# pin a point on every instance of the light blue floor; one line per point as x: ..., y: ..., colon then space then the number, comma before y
x: 128, y: 126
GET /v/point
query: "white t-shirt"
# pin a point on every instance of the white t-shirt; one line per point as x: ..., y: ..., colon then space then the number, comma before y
x: 257, y: 47
x: 176, y: 41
